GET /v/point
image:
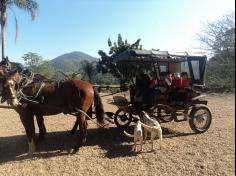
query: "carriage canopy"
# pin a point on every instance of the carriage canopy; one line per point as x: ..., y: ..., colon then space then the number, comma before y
x: 129, y: 61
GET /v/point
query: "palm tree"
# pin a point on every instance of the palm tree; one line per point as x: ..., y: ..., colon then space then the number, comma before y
x: 30, y: 6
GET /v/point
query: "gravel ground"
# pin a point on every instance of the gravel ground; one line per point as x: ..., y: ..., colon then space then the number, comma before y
x: 108, y: 151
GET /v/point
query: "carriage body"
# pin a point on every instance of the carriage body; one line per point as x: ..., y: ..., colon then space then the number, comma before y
x: 130, y: 62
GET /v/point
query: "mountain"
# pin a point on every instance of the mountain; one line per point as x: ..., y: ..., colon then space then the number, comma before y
x: 70, y: 62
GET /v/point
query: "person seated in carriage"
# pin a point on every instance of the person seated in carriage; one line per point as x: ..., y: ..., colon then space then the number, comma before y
x: 180, y: 87
x: 175, y: 84
x: 159, y: 86
x: 141, y: 86
x: 186, y: 87
x: 153, y: 89
x: 164, y: 82
x: 147, y: 90
x: 144, y: 94
x: 185, y: 81
x: 154, y: 80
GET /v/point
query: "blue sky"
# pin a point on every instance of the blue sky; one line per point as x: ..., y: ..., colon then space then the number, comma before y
x: 63, y: 26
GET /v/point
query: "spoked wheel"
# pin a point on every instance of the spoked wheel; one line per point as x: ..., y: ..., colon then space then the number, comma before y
x: 164, y: 113
x: 200, y: 119
x: 122, y: 118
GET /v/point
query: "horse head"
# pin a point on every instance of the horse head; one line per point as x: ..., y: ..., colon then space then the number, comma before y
x: 10, y: 83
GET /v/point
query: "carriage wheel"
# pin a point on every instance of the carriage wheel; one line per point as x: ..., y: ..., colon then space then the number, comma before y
x: 122, y: 118
x: 164, y: 114
x: 200, y: 119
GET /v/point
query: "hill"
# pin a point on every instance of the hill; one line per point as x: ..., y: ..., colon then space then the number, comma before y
x: 70, y: 62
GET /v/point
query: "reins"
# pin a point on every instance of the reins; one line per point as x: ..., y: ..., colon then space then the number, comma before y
x: 81, y: 111
x: 74, y: 114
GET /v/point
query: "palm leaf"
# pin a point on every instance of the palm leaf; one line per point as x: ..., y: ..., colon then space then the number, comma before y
x: 30, y: 6
x: 16, y: 24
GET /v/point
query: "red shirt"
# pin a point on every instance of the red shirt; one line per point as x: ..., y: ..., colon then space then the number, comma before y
x: 162, y: 83
x: 185, y: 82
x: 176, y: 83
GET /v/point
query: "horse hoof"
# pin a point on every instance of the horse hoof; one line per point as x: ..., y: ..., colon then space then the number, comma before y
x: 30, y: 155
x: 32, y: 148
x: 84, y: 140
x: 74, y: 151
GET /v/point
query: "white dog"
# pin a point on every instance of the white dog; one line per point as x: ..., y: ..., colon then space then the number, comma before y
x: 138, y: 135
x: 152, y: 126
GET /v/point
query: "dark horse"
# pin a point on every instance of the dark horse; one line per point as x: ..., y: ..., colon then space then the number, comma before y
x: 50, y: 98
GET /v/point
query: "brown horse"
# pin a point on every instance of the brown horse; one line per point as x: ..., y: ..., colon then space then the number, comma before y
x: 50, y: 98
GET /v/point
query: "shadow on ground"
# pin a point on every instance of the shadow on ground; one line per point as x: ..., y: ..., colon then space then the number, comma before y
x: 116, y: 144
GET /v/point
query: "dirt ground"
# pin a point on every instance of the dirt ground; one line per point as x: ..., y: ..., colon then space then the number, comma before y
x: 108, y: 151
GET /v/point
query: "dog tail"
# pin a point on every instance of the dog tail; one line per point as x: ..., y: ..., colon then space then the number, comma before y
x: 127, y: 134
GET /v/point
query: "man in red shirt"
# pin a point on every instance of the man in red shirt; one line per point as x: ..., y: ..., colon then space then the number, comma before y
x: 163, y: 82
x: 185, y: 81
x: 181, y: 85
x: 176, y: 82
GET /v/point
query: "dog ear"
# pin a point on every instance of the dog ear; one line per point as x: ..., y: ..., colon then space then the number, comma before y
x: 143, y: 113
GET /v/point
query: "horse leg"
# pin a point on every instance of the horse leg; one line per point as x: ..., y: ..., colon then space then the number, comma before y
x: 72, y: 131
x: 83, y: 131
x: 42, y: 128
x: 27, y: 120
x: 75, y: 127
x: 90, y: 112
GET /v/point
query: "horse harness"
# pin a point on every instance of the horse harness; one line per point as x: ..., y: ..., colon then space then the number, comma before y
x: 25, y: 81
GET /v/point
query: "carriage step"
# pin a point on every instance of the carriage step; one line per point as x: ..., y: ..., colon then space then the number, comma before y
x: 180, y: 120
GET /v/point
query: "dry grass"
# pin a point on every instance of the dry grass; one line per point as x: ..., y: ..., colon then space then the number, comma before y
x: 108, y: 151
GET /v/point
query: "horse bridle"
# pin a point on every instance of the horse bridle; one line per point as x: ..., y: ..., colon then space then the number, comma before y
x: 20, y: 84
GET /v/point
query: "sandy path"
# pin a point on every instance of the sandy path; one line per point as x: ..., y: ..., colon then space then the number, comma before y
x: 108, y: 151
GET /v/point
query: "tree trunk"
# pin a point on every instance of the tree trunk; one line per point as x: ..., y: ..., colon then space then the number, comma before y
x: 3, y: 31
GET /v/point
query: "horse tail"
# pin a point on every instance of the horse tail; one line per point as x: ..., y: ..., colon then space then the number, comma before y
x: 99, y: 109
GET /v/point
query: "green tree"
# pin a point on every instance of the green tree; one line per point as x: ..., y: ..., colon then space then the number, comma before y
x: 218, y: 37
x: 107, y: 79
x: 88, y: 70
x: 106, y: 63
x: 58, y: 75
x: 30, y: 6
x: 36, y: 64
x: 46, y: 69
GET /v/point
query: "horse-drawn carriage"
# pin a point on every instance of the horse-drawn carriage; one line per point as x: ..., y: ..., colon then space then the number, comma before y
x: 192, y: 108
x: 74, y: 96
